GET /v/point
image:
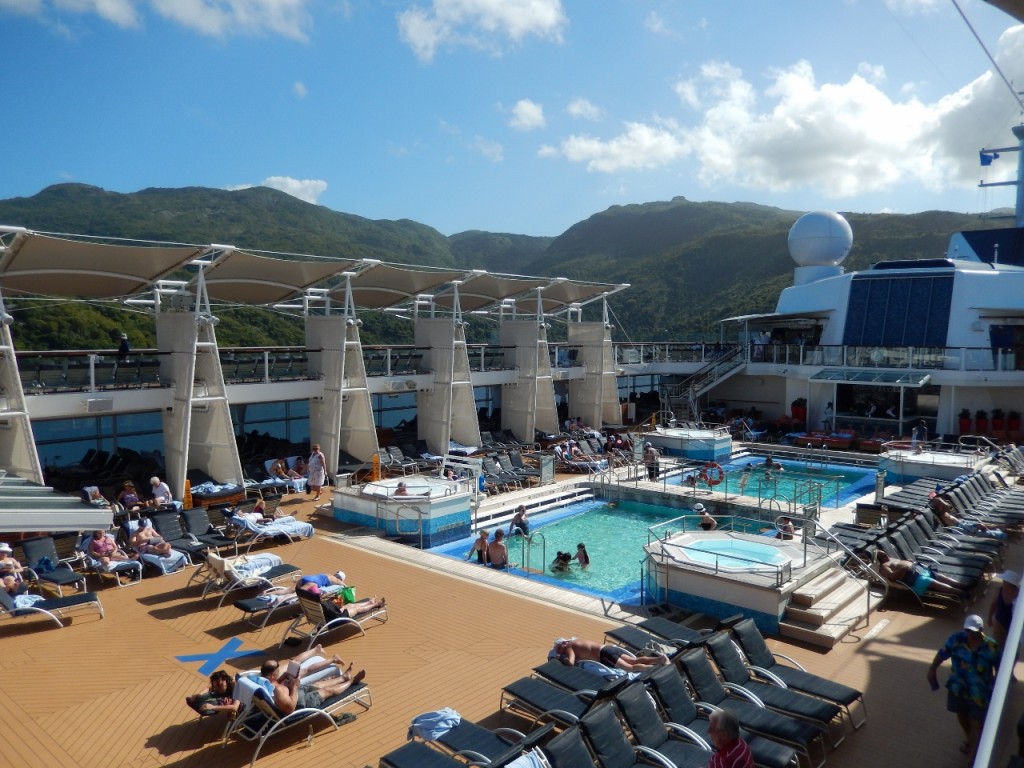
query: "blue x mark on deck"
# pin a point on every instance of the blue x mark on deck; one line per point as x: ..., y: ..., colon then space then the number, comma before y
x: 213, y: 660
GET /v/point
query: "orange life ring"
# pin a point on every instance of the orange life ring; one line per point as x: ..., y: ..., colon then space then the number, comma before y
x: 712, y: 474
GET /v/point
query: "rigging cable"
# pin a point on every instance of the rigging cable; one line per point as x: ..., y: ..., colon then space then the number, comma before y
x: 995, y: 66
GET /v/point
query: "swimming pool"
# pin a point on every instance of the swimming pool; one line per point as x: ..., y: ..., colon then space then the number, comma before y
x: 615, y: 537
x: 839, y: 485
x: 734, y: 554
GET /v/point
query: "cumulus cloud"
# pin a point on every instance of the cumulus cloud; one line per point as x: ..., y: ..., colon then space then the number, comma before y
x: 584, y: 109
x: 220, y: 18
x: 527, y: 116
x: 304, y: 189
x: 842, y: 139
x: 488, y: 25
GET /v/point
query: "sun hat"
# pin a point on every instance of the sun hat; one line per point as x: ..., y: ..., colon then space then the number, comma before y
x: 973, y: 623
x: 5, y: 547
x: 340, y: 575
x: 1007, y: 577
x: 698, y: 507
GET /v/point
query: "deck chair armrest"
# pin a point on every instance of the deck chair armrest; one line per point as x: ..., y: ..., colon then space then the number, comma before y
x: 766, y: 676
x: 739, y: 692
x: 925, y: 557
x: 653, y: 756
x: 789, y: 660
x: 687, y: 734
x: 705, y: 708
x: 567, y: 717
x: 511, y: 735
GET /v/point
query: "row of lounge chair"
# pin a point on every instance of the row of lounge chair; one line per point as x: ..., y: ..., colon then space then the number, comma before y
x: 787, y: 714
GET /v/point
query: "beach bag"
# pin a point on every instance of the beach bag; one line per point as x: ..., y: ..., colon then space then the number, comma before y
x: 348, y: 595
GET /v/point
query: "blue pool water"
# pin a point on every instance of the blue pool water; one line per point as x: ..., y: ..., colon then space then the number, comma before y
x: 615, y: 535
x: 717, y: 553
x: 840, y: 485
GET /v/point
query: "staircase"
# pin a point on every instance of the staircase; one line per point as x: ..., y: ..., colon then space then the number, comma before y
x: 683, y: 397
x: 827, y: 608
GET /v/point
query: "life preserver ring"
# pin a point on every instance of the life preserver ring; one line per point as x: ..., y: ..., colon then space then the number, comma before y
x: 877, y: 356
x: 712, y: 474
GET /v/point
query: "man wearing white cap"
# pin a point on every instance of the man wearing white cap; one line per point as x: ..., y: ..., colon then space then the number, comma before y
x: 707, y: 522
x: 974, y: 658
x: 1001, y: 612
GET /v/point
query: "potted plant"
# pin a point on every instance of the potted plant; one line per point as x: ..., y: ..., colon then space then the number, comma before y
x: 998, y: 421
x: 981, y: 422
x: 1013, y: 421
x: 965, y: 421
x: 799, y: 409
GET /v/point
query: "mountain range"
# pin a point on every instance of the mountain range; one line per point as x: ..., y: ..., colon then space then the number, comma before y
x: 689, y: 264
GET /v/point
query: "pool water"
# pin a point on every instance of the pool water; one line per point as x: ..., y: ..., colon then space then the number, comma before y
x: 717, y: 551
x: 615, y: 537
x: 852, y: 482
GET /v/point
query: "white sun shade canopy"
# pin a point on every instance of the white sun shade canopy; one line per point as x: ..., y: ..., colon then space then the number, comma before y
x: 48, y: 265
x: 246, y: 278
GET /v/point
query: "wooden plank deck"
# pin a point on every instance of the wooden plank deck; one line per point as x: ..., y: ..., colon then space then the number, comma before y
x: 111, y: 692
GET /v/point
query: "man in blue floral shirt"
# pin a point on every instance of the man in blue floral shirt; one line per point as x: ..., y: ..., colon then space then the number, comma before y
x: 974, y: 658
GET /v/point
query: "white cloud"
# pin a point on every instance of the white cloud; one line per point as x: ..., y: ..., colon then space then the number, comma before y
x: 123, y: 13
x: 488, y: 25
x: 527, y: 116
x: 288, y: 18
x: 655, y: 24
x: 300, y: 89
x: 873, y: 73
x: 308, y: 190
x: 492, y: 150
x: 28, y: 7
x: 841, y: 139
x: 584, y: 109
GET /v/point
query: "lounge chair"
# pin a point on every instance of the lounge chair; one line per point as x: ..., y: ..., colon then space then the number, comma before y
x: 54, y: 609
x: 402, y: 463
x: 197, y: 523
x: 752, y: 714
x: 674, y: 699
x: 679, y: 744
x: 603, y: 731
x: 576, y: 679
x: 312, y: 622
x: 764, y: 662
x: 47, y: 567
x: 540, y: 700
x: 168, y: 524
x: 231, y: 575
x: 416, y: 754
x: 261, y: 609
x: 261, y: 720
x: 114, y: 569
x: 473, y: 742
x: 170, y: 563
x: 252, y: 533
x: 820, y: 713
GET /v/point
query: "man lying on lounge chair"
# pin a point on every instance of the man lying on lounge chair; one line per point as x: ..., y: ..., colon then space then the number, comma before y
x: 917, y: 576
x: 288, y: 691
x: 571, y: 651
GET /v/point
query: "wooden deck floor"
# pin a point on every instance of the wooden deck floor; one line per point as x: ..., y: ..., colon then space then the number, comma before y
x: 110, y: 692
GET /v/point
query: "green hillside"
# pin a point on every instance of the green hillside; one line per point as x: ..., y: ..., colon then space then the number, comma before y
x: 689, y: 264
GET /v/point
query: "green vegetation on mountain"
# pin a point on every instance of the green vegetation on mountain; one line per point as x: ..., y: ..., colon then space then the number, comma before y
x: 688, y: 264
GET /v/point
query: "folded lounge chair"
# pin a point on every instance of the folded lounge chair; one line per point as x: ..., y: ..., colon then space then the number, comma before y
x: 764, y: 662
x: 53, y: 609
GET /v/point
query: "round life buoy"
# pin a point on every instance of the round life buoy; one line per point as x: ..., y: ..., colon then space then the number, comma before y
x: 712, y: 474
x: 877, y: 356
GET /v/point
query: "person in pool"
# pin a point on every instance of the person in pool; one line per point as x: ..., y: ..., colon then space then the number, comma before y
x: 581, y: 555
x: 480, y: 548
x: 561, y: 562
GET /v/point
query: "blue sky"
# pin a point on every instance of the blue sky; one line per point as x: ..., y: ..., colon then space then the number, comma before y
x: 521, y: 116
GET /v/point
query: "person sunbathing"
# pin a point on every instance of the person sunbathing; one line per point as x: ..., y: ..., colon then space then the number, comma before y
x: 147, y: 540
x: 920, y: 578
x: 129, y: 497
x: 279, y: 470
x: 333, y: 597
x: 571, y: 651
x: 103, y: 547
x: 290, y: 694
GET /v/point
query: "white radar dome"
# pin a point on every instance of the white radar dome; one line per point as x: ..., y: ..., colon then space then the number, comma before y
x: 820, y: 239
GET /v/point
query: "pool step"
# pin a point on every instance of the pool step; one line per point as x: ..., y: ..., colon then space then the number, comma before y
x: 827, y: 608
